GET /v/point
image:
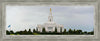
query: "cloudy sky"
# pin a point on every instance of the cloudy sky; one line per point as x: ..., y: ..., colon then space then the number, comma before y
x: 25, y: 17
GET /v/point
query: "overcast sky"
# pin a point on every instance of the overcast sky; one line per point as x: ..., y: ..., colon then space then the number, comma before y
x: 25, y: 17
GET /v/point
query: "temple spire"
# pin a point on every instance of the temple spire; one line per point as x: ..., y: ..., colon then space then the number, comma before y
x: 50, y: 9
x: 50, y: 12
x: 50, y: 18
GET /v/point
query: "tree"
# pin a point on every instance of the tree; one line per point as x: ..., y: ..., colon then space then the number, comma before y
x: 7, y: 32
x: 25, y: 31
x: 29, y: 32
x: 21, y: 32
x: 80, y: 31
x: 74, y: 31
x: 70, y: 31
x: 55, y: 30
x: 43, y: 30
x: 11, y: 32
x: 34, y: 30
x: 85, y: 32
x: 92, y: 32
x: 18, y: 32
x: 64, y: 30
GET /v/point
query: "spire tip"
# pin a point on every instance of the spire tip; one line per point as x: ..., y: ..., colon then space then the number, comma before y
x: 50, y: 9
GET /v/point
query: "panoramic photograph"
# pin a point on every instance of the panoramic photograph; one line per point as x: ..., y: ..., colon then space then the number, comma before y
x: 49, y: 20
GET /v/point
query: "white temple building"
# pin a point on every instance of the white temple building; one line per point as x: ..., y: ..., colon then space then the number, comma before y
x: 50, y: 25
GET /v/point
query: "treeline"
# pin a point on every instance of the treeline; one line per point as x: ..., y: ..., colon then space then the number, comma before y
x: 35, y: 32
